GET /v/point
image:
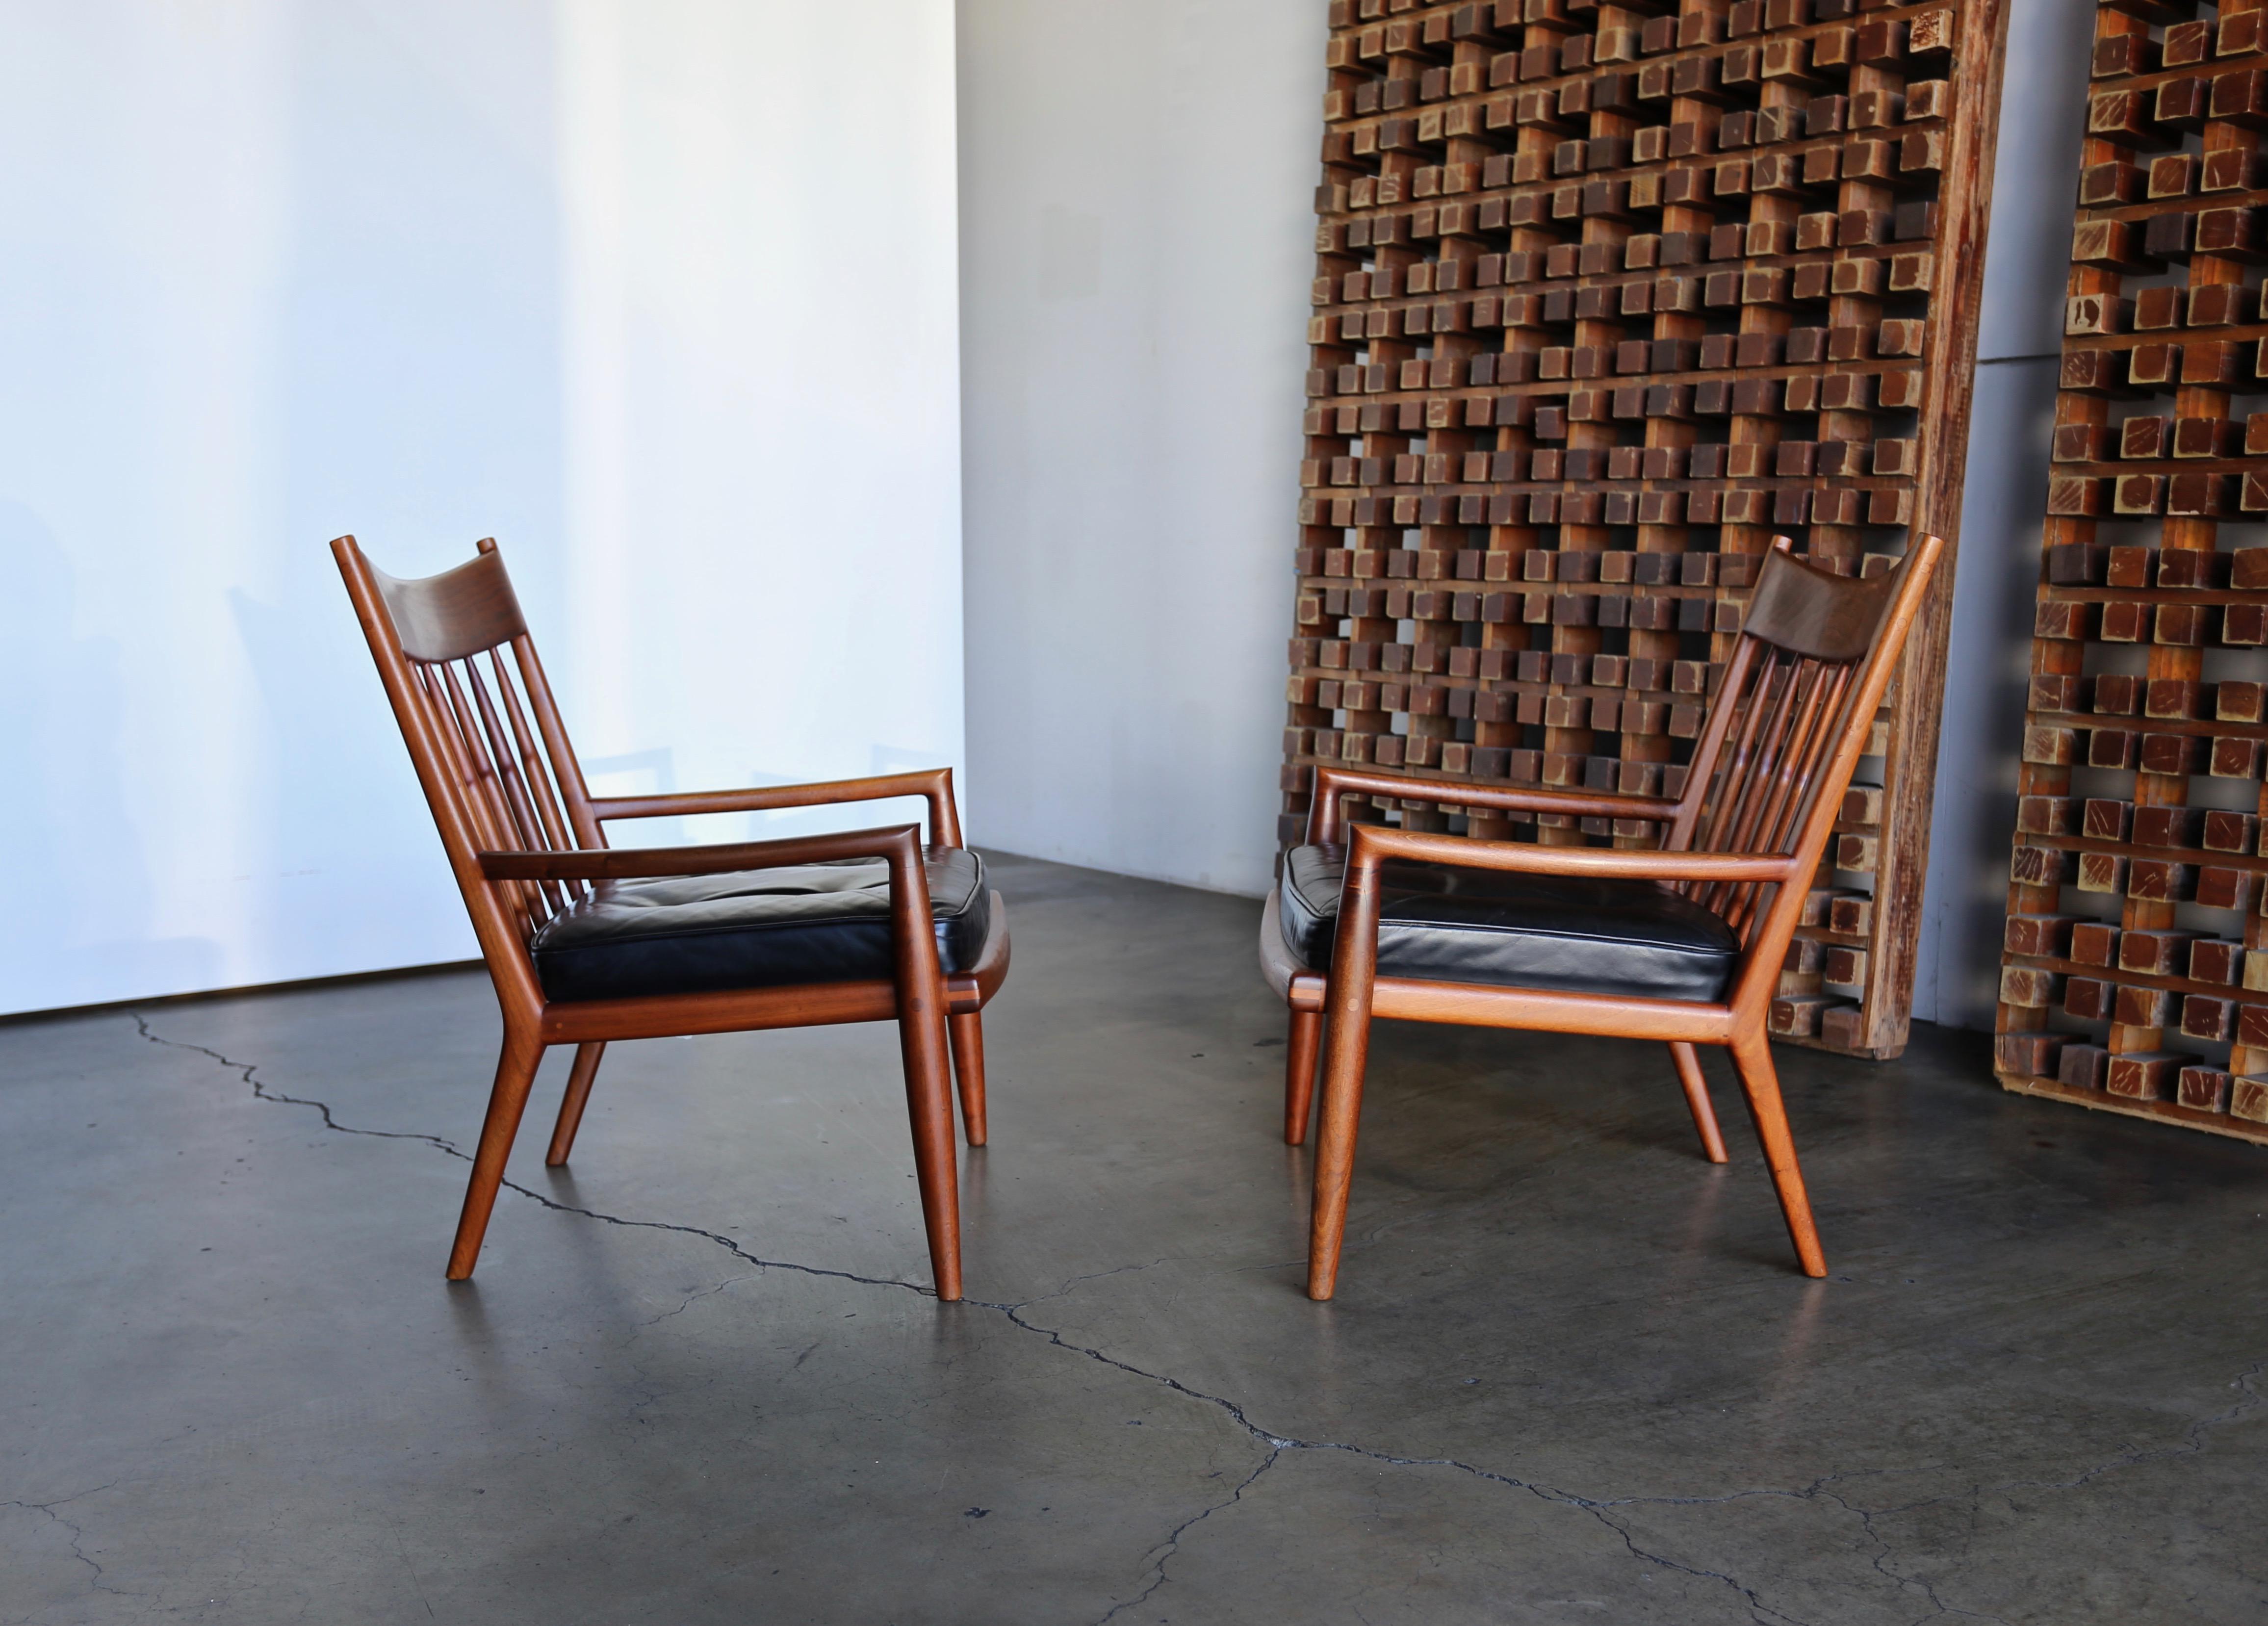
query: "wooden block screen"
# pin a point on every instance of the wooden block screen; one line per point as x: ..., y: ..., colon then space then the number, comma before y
x: 1606, y: 297
x: 2136, y: 971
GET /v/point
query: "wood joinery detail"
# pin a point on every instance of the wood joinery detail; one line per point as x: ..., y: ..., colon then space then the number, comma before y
x: 2134, y: 977
x: 1606, y: 297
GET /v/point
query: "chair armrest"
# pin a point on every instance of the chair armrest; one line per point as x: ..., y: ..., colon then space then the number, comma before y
x: 934, y: 785
x: 1324, y: 820
x: 898, y: 843
x: 1371, y: 844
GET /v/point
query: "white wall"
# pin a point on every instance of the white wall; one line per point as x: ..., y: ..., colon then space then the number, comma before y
x: 662, y: 294
x: 2028, y: 259
x: 1138, y: 237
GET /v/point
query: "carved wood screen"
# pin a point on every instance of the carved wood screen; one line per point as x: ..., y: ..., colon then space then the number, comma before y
x: 1608, y: 295
x: 2136, y: 971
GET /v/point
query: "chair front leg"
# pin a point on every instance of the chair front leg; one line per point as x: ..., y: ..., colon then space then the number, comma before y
x: 968, y: 1030
x: 1347, y: 1053
x: 1761, y: 1084
x: 923, y: 1044
x: 1696, y: 1098
x: 1300, y: 1047
x: 515, y: 1075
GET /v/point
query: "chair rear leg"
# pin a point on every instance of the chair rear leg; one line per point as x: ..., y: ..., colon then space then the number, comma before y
x: 1299, y: 1050
x: 1761, y: 1084
x: 515, y: 1074
x: 1696, y: 1098
x: 570, y: 1104
x: 967, y: 1031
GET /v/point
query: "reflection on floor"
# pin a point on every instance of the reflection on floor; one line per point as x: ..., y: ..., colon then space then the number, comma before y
x: 1571, y: 1374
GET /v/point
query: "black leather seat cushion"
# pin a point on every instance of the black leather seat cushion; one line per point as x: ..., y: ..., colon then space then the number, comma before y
x: 1446, y: 924
x: 818, y: 923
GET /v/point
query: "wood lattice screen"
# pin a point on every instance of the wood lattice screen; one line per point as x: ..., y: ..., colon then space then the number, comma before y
x: 2136, y: 973
x: 1606, y: 297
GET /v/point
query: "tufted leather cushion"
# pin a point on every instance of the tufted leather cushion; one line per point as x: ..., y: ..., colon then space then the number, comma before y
x: 819, y: 922
x: 1446, y: 924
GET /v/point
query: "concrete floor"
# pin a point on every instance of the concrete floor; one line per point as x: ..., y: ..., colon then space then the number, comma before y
x: 1572, y: 1375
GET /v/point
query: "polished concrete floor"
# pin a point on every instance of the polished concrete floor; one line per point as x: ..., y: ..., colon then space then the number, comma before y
x: 1572, y: 1375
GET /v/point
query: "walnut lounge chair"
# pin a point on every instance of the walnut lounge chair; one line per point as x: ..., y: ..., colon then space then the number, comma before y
x: 1682, y: 944
x: 587, y: 944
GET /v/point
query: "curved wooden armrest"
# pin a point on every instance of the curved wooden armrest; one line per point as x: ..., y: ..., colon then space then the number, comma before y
x: 1371, y: 844
x: 1324, y: 819
x: 934, y: 785
x: 898, y: 843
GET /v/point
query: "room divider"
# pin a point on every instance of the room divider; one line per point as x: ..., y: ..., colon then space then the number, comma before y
x: 2135, y: 975
x: 1606, y: 296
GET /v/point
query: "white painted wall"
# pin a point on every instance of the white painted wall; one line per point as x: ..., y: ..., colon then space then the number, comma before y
x: 2028, y: 259
x: 1138, y: 237
x: 660, y: 293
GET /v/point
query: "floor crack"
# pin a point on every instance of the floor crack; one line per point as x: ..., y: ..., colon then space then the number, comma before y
x: 77, y: 1535
x: 1276, y: 1444
x: 1165, y: 1549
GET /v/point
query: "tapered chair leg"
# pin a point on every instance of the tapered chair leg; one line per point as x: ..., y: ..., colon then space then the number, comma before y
x: 1761, y: 1084
x: 967, y: 1031
x: 1345, y: 1058
x: 929, y: 1103
x: 515, y: 1075
x: 1696, y: 1098
x: 1306, y: 1038
x: 571, y: 1104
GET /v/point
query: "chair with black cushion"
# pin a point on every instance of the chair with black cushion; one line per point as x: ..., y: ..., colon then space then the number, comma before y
x: 587, y: 944
x: 1681, y: 943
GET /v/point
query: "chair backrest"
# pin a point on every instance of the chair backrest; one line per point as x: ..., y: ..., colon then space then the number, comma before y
x: 484, y: 733
x: 1791, y: 720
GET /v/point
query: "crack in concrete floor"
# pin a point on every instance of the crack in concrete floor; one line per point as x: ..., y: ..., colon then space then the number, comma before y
x: 77, y: 1535
x: 1277, y: 1444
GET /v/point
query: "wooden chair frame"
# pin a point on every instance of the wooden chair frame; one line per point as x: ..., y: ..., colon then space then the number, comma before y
x: 1776, y: 810
x: 524, y: 837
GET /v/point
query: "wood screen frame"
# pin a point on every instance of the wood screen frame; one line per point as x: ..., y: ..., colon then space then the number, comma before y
x: 1461, y: 102
x: 2152, y: 1013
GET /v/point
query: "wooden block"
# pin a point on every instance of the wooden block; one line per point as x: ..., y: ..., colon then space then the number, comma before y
x: 2135, y: 1006
x: 2203, y: 1089
x: 2160, y: 880
x: 2248, y: 1098
x: 1841, y: 1026
x: 2159, y: 953
x: 2224, y: 887
x: 2083, y: 1066
x: 2102, y: 872
x: 1797, y: 1017
x: 2215, y: 959
x: 2208, y: 1017
x: 2027, y: 1055
x: 2167, y: 827
x: 2224, y: 831
x: 2020, y: 986
x: 2106, y: 820
x: 2089, y: 999
x: 2144, y: 1078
